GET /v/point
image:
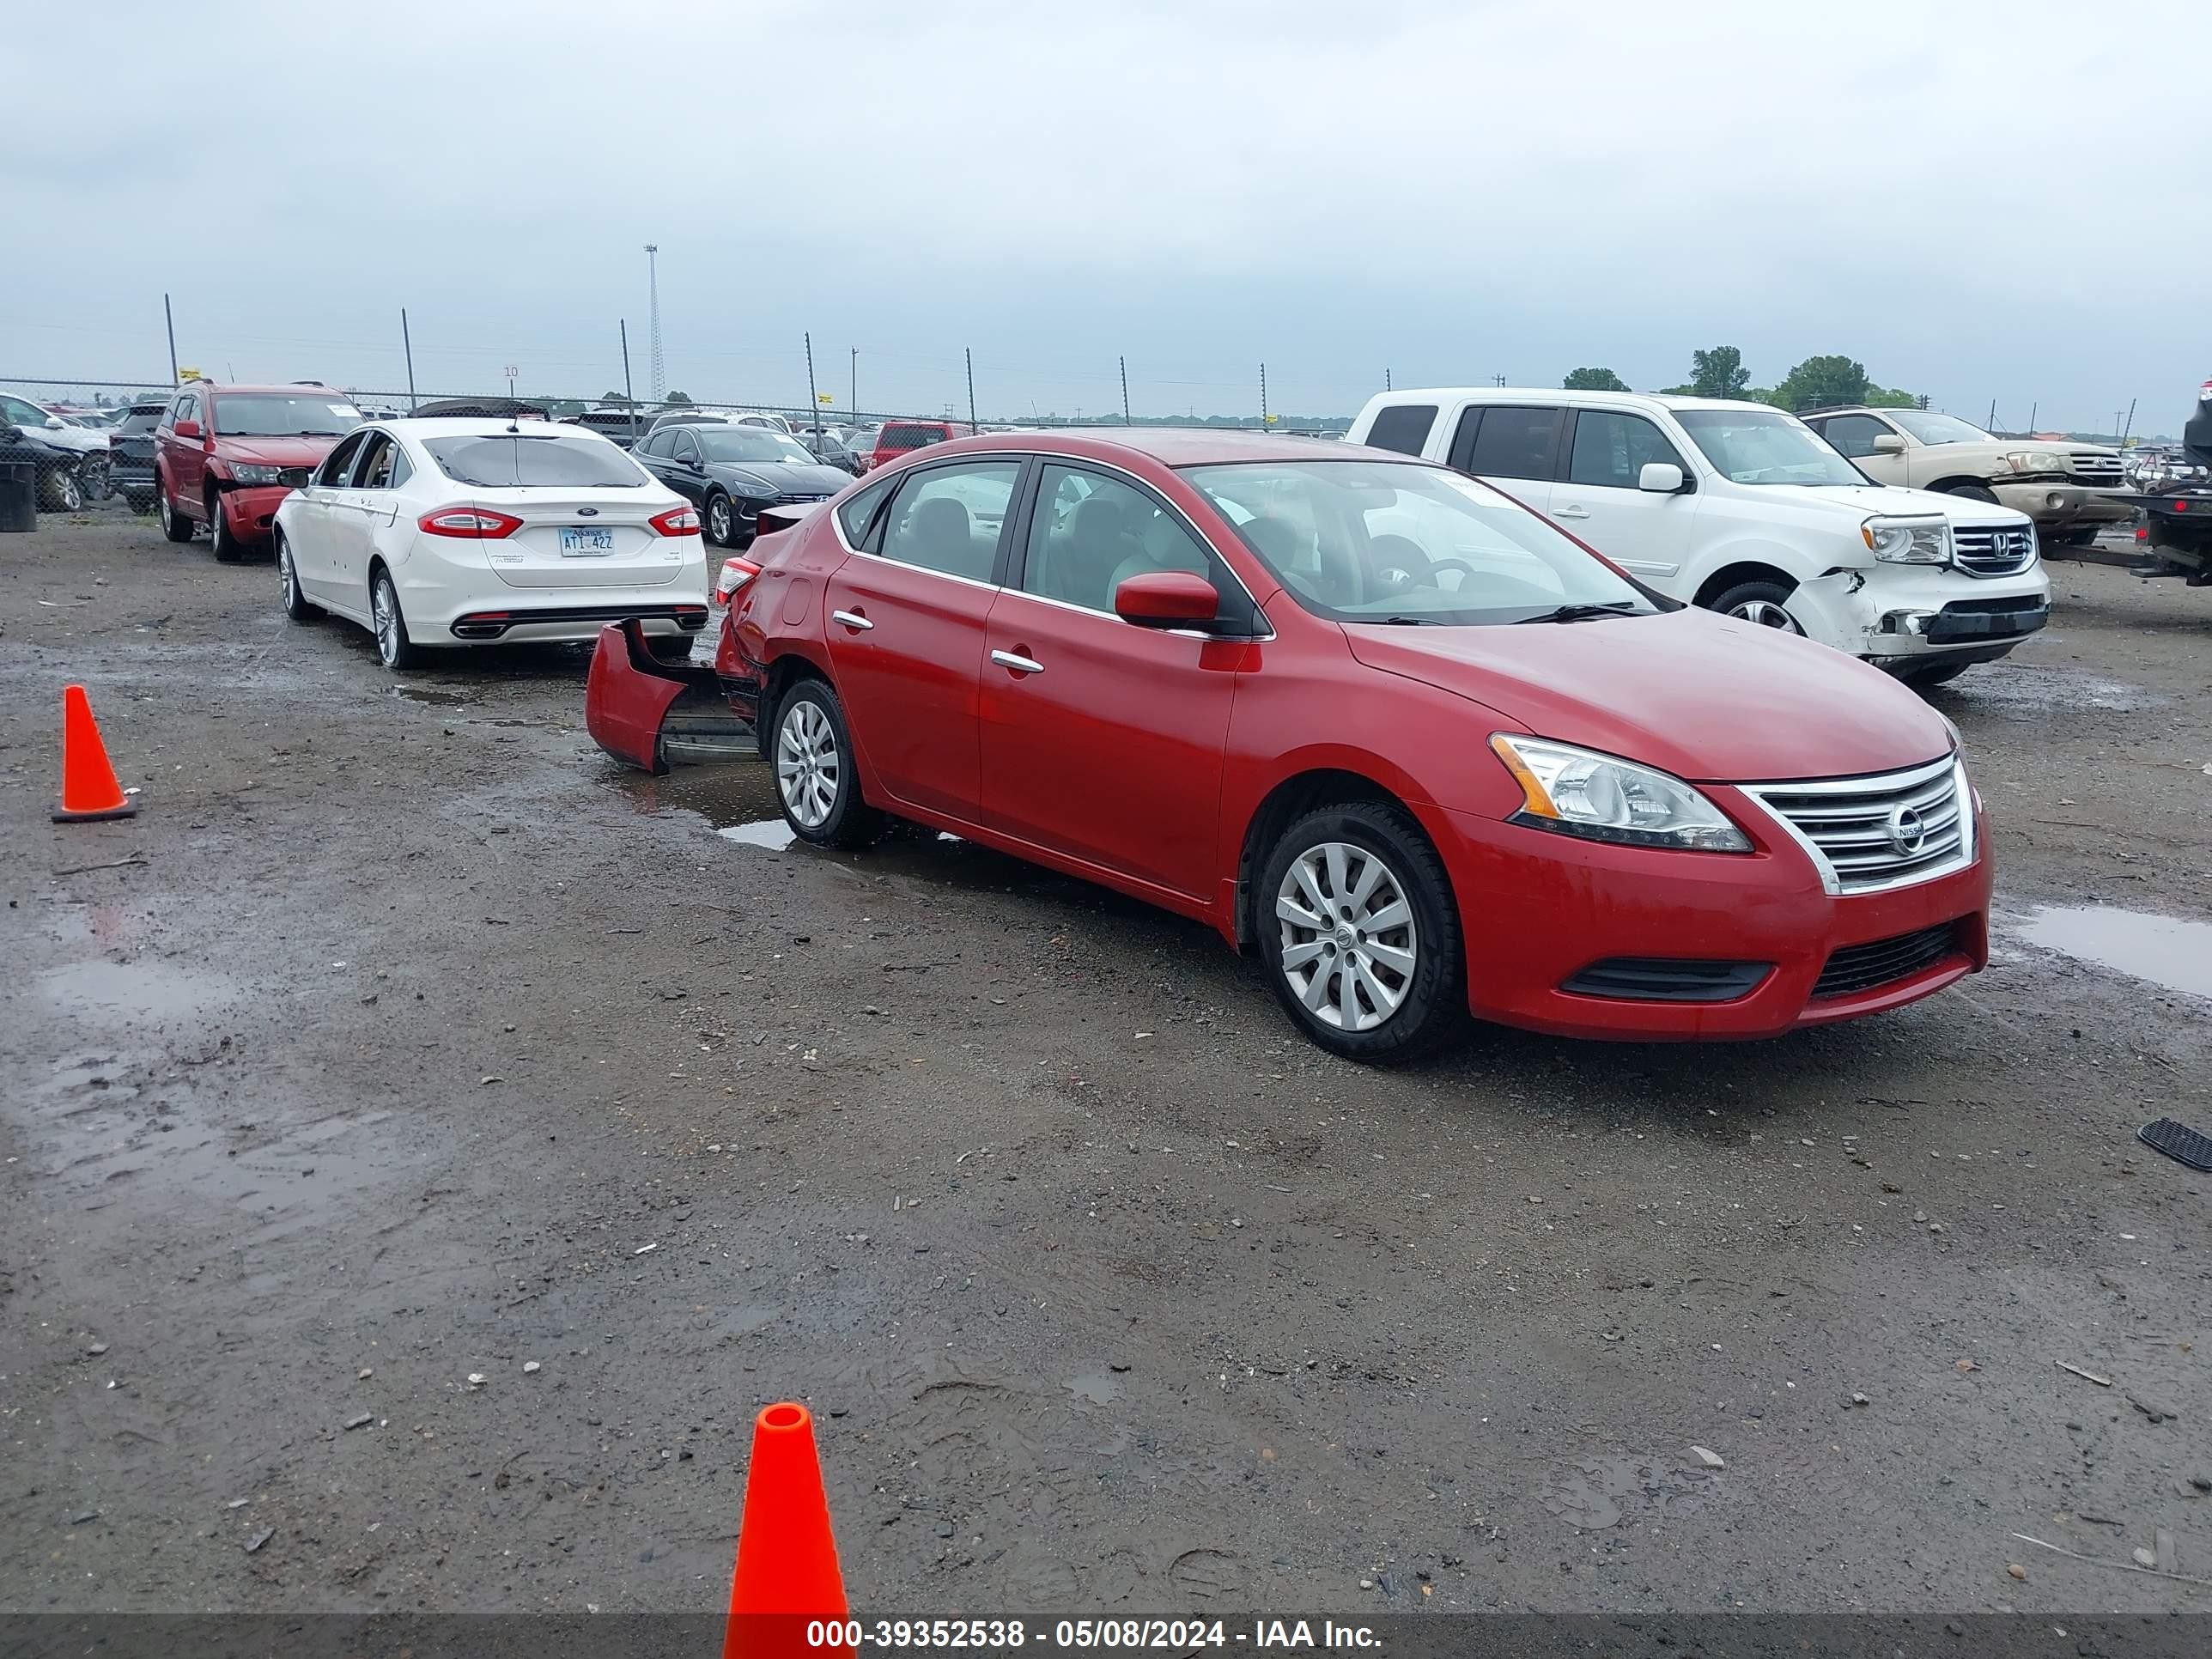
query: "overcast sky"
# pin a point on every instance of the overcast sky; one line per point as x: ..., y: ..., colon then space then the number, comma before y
x: 1963, y: 197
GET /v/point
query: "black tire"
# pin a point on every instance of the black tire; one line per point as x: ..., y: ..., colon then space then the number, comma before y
x: 1758, y: 602
x: 1934, y: 674
x: 388, y: 624
x: 1973, y: 492
x: 671, y: 647
x: 175, y: 526
x: 724, y: 534
x: 1432, y: 1000
x: 227, y: 548
x: 296, y: 604
x: 2083, y: 536
x: 848, y: 821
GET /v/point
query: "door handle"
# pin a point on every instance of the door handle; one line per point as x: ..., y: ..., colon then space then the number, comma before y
x: 1573, y: 513
x: 1020, y: 664
x: 852, y: 619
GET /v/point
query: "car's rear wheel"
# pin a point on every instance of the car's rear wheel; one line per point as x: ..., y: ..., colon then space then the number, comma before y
x: 671, y: 647
x: 814, y: 778
x: 1764, y: 603
x: 175, y: 526
x: 63, y: 492
x: 295, y: 602
x: 1973, y: 492
x: 226, y: 544
x: 1925, y: 677
x: 398, y: 651
x: 721, y: 520
x: 1359, y: 933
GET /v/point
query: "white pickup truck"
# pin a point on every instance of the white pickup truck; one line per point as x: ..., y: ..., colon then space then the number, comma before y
x: 1741, y: 508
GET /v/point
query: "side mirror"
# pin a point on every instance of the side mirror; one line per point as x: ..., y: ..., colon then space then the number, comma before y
x: 188, y: 428
x: 55, y: 423
x: 1661, y: 477
x: 1888, y: 443
x: 1166, y: 599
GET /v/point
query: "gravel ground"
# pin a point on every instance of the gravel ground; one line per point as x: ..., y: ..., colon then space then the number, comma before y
x: 417, y: 1044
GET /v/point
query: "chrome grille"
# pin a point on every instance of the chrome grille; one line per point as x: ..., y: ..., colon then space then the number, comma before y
x: 2101, y: 472
x: 1861, y: 831
x: 1993, y: 550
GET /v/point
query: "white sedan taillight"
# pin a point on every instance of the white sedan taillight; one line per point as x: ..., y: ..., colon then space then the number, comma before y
x: 677, y: 521
x: 472, y: 523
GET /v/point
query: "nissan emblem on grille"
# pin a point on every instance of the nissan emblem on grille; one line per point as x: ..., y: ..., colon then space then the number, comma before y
x: 1907, y: 831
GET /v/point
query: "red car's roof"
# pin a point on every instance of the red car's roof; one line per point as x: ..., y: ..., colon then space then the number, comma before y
x: 1176, y: 446
x: 293, y: 389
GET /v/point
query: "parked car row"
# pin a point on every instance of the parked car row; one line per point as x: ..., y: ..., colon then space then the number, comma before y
x: 1381, y: 723
x: 73, y: 465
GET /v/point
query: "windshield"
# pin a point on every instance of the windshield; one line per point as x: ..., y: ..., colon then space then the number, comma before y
x: 749, y: 443
x: 1392, y: 541
x: 1750, y: 446
x: 1938, y: 429
x: 272, y: 415
x: 520, y: 462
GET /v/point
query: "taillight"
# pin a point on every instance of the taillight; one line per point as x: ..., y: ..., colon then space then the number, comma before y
x: 473, y: 523
x: 737, y: 575
x: 677, y: 521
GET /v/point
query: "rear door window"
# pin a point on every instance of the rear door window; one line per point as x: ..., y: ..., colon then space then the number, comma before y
x: 854, y: 513
x: 1403, y: 427
x: 948, y: 519
x: 1515, y: 441
x: 499, y: 462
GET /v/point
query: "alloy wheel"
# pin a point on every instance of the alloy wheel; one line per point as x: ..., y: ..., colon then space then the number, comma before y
x: 807, y: 767
x: 1764, y: 613
x: 387, y: 625
x: 1349, y: 944
x: 284, y: 571
x: 720, y: 523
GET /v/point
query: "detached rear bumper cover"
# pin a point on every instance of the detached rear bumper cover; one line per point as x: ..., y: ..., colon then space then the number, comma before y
x: 629, y: 694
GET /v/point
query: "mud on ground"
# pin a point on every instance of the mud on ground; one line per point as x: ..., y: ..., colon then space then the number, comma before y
x: 415, y: 1043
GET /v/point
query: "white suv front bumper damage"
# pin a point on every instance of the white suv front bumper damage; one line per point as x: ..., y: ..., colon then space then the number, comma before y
x: 1897, y: 616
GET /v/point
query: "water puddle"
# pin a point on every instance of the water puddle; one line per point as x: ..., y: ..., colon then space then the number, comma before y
x: 771, y: 833
x: 2167, y: 950
x: 141, y: 991
x: 424, y: 694
x: 1095, y: 1387
x: 2030, y: 687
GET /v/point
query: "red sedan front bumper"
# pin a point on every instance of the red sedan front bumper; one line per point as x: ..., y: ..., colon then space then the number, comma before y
x: 1540, y: 910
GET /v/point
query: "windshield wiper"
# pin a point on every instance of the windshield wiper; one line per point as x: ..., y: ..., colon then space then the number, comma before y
x: 1409, y: 622
x: 1566, y: 613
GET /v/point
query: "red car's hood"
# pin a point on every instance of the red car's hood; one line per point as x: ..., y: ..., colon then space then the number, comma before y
x: 1705, y: 697
x: 276, y: 451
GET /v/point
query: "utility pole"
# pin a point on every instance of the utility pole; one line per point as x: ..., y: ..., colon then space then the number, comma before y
x: 813, y: 397
x: 1992, y: 425
x: 629, y: 393
x: 1497, y: 380
x: 2130, y: 425
x: 1126, y: 421
x: 2032, y: 409
x: 510, y: 372
x: 170, y: 317
x: 1386, y: 379
x: 654, y: 378
x: 407, y: 345
x: 854, y: 408
x: 1263, y: 394
x: 969, y: 352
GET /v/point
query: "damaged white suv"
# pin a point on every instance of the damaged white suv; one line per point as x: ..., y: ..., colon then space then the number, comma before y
x: 1743, y: 509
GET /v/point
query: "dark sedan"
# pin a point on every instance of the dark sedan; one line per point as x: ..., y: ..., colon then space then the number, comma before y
x: 731, y: 472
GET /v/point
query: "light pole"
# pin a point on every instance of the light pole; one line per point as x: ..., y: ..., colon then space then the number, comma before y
x: 653, y: 380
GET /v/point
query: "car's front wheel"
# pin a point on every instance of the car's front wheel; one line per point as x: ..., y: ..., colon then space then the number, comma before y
x: 398, y: 651
x: 721, y: 520
x: 1360, y: 934
x: 1764, y: 603
x: 296, y: 604
x: 226, y: 544
x: 815, y: 779
x: 1973, y: 492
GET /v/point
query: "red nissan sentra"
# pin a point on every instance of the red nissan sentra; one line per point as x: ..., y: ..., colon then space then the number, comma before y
x: 1413, y: 745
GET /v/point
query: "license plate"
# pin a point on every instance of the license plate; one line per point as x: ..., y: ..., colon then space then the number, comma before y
x: 586, y: 543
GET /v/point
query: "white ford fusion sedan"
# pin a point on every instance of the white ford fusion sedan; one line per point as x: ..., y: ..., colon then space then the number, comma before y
x: 461, y: 532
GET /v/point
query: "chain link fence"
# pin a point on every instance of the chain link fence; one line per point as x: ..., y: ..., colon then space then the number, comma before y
x: 76, y: 445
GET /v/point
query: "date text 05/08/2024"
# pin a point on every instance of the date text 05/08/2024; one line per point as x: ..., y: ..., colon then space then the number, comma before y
x: 1169, y: 1635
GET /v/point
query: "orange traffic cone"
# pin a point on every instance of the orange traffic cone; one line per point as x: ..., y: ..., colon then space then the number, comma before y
x: 786, y: 1576
x: 89, y: 787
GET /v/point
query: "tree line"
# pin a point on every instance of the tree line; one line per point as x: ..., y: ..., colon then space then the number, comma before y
x: 1816, y: 383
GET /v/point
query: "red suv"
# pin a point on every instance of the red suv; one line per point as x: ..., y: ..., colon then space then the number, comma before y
x: 225, y: 456
x: 1414, y: 746
x: 899, y: 438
